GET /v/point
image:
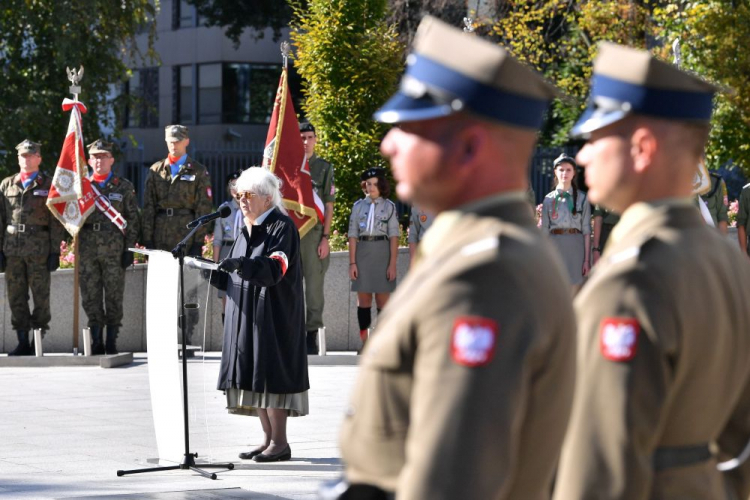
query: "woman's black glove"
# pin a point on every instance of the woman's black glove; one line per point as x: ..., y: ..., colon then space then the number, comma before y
x: 53, y: 262
x: 2, y: 262
x: 127, y: 259
x: 230, y: 265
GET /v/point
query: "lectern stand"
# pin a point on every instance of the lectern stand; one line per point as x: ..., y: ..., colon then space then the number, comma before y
x: 165, y: 284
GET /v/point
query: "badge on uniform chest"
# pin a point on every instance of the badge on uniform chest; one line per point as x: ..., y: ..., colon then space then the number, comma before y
x: 187, y: 177
x: 41, y: 192
x: 115, y: 197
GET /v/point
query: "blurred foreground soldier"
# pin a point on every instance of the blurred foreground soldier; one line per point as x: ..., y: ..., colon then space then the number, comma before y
x: 315, y: 250
x: 663, y: 381
x: 178, y: 190
x: 30, y: 241
x: 464, y: 391
x: 104, y: 250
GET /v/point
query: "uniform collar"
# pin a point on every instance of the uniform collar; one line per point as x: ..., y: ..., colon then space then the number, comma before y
x: 260, y: 220
x: 641, y: 213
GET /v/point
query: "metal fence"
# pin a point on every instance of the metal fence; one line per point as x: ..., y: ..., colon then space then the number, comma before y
x: 222, y: 158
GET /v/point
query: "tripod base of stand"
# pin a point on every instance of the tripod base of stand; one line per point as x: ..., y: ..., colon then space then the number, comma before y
x: 188, y: 463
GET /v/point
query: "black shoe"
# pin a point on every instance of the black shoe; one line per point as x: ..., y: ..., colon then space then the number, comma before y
x: 281, y: 456
x: 248, y: 455
x: 23, y: 348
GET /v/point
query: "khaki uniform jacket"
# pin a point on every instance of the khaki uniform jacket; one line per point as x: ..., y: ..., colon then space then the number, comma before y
x: 678, y: 377
x: 321, y: 174
x: 189, y: 190
x: 440, y: 410
x: 19, y: 205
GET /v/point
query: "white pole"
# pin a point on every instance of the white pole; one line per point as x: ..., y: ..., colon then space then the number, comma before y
x: 322, y: 341
x: 38, y: 342
x: 87, y: 342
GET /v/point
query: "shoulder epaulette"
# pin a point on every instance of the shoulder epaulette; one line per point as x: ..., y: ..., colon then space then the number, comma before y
x: 746, y: 185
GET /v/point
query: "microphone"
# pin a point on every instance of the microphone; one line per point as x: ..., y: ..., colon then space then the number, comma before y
x: 223, y: 211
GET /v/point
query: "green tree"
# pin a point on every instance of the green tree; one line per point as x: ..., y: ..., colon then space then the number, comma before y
x: 38, y: 39
x: 350, y: 62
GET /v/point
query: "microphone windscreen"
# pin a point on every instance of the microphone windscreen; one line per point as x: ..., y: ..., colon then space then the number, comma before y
x: 225, y: 211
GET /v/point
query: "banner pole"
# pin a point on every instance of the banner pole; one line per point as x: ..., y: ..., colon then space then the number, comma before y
x: 76, y: 260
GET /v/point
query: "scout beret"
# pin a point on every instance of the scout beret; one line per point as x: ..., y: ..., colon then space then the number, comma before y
x: 449, y: 71
x: 174, y: 133
x: 28, y: 146
x: 306, y: 127
x: 563, y: 158
x: 630, y: 81
x: 100, y: 146
x: 372, y: 172
x: 233, y: 176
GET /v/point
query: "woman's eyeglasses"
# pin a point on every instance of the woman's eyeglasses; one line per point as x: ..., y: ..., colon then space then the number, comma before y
x: 247, y: 195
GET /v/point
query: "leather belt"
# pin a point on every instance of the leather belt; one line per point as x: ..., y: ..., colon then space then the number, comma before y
x: 170, y: 212
x: 25, y: 228
x: 373, y: 238
x: 565, y: 231
x: 680, y: 456
x: 99, y: 226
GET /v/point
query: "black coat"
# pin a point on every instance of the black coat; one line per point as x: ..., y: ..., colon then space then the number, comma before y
x: 264, y: 325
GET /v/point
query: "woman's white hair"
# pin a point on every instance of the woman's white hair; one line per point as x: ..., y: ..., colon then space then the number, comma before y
x: 261, y: 181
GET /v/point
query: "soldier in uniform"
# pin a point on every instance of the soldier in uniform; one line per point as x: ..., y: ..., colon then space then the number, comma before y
x: 30, y: 242
x: 717, y: 202
x: 663, y: 381
x: 743, y: 218
x: 604, y: 222
x: 178, y: 190
x: 465, y: 388
x: 419, y: 222
x: 104, y: 250
x: 314, y: 249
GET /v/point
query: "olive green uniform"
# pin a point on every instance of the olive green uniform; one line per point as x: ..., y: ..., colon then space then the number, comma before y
x: 465, y: 388
x: 313, y: 267
x: 609, y: 219
x: 102, y: 244
x: 663, y: 370
x: 170, y: 203
x: 717, y: 200
x: 30, y: 234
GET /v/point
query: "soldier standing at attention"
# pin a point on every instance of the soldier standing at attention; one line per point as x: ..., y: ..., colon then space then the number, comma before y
x: 30, y: 242
x: 717, y: 202
x: 314, y: 248
x: 104, y: 250
x: 178, y: 190
x: 663, y: 381
x: 465, y: 388
x: 419, y: 222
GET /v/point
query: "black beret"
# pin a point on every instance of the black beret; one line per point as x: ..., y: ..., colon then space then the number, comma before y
x: 563, y: 158
x: 372, y: 172
x: 306, y: 127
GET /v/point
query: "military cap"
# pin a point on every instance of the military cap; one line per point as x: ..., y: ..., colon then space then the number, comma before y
x: 174, y: 133
x: 450, y: 71
x: 563, y: 158
x: 234, y: 176
x: 372, y: 172
x: 28, y: 146
x: 100, y: 146
x: 306, y: 127
x: 630, y: 81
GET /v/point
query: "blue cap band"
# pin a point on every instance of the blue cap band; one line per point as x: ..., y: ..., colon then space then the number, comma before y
x: 674, y: 104
x: 477, y: 97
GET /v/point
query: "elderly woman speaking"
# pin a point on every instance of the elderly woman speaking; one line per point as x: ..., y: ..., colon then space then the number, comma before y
x: 263, y: 361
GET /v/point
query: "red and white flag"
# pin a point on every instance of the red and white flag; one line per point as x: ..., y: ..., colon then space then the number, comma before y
x: 284, y: 155
x: 71, y: 198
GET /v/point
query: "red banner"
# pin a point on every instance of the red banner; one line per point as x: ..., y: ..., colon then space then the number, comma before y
x: 284, y: 155
x: 71, y: 197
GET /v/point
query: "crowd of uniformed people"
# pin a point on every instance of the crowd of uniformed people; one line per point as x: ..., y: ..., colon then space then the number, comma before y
x: 488, y: 375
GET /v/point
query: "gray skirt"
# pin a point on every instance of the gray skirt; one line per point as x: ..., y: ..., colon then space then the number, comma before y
x: 372, y: 260
x: 570, y: 247
x: 242, y: 402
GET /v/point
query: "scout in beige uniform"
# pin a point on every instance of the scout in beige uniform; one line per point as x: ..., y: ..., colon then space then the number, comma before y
x: 465, y: 388
x: 663, y: 382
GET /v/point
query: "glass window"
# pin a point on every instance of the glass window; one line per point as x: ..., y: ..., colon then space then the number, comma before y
x: 187, y: 14
x: 249, y: 91
x: 209, y: 93
x: 143, y: 99
x: 185, y: 95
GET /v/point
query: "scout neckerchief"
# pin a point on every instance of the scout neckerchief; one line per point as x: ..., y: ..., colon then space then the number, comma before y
x: 102, y: 180
x: 563, y: 197
x: 176, y: 163
x: 371, y: 217
x: 27, y: 179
